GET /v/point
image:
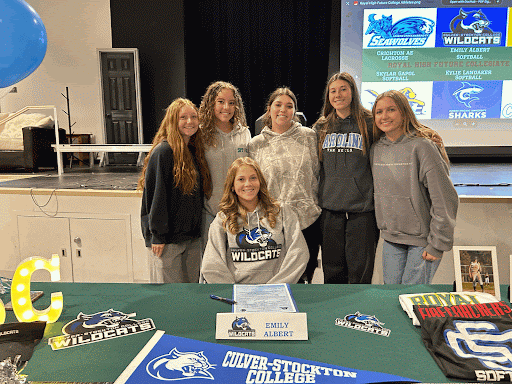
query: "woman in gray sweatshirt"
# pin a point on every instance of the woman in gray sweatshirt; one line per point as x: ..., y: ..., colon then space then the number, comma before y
x: 415, y: 200
x: 226, y: 136
x: 253, y: 240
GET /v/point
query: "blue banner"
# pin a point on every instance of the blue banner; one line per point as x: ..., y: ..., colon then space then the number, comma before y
x: 466, y: 99
x: 169, y: 358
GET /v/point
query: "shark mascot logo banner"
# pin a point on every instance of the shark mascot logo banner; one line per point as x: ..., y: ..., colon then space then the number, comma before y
x: 167, y: 358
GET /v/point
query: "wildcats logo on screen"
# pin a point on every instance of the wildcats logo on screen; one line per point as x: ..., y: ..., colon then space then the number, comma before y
x: 413, y: 27
x: 100, y: 326
x: 462, y: 27
x: 170, y: 358
x: 466, y: 99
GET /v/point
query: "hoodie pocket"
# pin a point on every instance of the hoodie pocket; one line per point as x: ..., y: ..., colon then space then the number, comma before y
x: 395, y: 214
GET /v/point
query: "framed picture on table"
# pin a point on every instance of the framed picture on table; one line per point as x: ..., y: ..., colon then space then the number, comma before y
x: 476, y: 269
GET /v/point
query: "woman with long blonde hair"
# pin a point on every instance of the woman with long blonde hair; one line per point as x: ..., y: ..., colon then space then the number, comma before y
x: 175, y: 179
x: 415, y: 200
x: 253, y: 239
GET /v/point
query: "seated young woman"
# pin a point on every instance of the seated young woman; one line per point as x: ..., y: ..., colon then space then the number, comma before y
x: 253, y: 240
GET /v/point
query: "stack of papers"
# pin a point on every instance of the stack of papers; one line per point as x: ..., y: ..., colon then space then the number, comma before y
x: 263, y: 298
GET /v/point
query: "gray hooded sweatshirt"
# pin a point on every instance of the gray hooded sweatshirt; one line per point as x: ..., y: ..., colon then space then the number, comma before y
x: 415, y: 200
x: 258, y: 253
x: 289, y: 162
x: 229, y: 147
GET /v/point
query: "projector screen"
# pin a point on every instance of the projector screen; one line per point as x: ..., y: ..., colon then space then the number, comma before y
x: 450, y: 58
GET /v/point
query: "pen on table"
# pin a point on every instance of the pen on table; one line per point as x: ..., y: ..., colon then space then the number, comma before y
x: 223, y: 299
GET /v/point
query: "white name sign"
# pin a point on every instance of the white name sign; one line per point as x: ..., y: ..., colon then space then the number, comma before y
x: 262, y: 326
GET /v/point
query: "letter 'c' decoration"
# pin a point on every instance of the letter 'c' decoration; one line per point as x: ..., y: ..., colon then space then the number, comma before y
x: 20, y: 291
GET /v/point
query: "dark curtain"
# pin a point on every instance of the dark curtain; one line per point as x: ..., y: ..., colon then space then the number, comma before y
x: 156, y: 29
x: 259, y: 46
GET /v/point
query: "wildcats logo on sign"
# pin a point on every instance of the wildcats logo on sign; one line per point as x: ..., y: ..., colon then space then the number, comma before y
x: 411, y: 31
x: 472, y: 27
x: 365, y: 323
x: 100, y: 326
x: 241, y: 328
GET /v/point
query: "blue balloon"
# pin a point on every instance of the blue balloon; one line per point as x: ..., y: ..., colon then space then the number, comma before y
x: 23, y: 41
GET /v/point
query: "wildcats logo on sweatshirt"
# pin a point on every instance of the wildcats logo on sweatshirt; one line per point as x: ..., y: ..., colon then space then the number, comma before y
x: 255, y: 245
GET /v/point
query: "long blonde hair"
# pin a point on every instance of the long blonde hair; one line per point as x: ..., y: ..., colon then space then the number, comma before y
x: 184, y: 171
x: 232, y: 208
x: 410, y: 123
x: 325, y: 123
x: 207, y: 110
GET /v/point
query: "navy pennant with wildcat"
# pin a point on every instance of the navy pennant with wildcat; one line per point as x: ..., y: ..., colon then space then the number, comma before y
x: 172, y: 358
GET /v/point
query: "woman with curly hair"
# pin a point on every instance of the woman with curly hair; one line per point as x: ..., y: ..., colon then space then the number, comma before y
x: 252, y: 239
x: 415, y: 200
x: 226, y: 136
x: 175, y: 179
x: 349, y: 229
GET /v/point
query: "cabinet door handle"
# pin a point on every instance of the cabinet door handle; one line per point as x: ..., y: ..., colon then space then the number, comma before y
x: 78, y: 241
x: 63, y: 252
x: 78, y: 253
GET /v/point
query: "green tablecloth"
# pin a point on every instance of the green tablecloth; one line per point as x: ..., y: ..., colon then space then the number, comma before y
x: 186, y: 310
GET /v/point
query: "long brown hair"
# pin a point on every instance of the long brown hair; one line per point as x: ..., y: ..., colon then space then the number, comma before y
x: 267, y: 119
x: 409, y: 120
x: 325, y: 124
x: 232, y: 208
x: 207, y: 114
x: 184, y: 171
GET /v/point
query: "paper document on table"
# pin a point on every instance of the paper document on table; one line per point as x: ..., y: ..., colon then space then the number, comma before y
x: 263, y: 298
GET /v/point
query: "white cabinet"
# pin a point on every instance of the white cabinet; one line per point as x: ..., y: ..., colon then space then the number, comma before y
x: 92, y: 248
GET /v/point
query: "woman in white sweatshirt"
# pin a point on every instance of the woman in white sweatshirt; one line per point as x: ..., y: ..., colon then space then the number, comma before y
x: 252, y: 239
x: 287, y: 154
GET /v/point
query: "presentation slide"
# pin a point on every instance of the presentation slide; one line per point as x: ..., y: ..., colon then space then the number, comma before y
x: 450, y: 58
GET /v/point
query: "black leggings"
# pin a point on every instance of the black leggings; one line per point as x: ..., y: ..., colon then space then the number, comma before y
x: 349, y: 243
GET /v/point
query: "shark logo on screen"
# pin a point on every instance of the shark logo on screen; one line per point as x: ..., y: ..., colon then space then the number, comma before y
x: 471, y: 28
x: 467, y: 93
x: 408, y: 32
x: 417, y: 105
x: 177, y: 365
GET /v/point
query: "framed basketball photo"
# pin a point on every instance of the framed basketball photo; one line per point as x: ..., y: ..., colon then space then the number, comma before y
x: 476, y: 270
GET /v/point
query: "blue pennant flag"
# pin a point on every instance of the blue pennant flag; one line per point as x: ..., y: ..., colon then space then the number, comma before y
x: 169, y: 358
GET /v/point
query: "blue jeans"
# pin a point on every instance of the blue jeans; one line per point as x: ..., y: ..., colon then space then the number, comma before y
x: 403, y: 264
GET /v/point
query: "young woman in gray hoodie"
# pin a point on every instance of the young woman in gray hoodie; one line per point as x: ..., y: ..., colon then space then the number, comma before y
x: 415, y: 200
x: 253, y: 240
x: 226, y: 136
